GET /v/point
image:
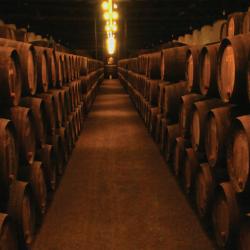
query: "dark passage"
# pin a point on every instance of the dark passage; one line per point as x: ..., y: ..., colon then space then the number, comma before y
x: 117, y: 193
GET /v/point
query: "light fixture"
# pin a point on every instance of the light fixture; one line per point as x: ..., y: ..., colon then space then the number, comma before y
x: 111, y: 45
x: 115, y: 15
x: 106, y: 16
x: 105, y: 5
x: 115, y: 6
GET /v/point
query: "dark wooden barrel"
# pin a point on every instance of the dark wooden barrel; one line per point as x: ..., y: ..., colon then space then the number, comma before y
x: 246, y: 23
x: 47, y: 156
x: 173, y: 64
x: 7, y: 32
x: 198, y: 122
x: 238, y: 153
x: 153, y: 118
x: 21, y: 35
x: 225, y: 215
x: 24, y: 125
x: 192, y: 68
x: 70, y: 143
x: 208, y: 70
x: 33, y: 174
x: 158, y: 128
x: 172, y: 132
x: 161, y: 95
x: 10, y: 77
x: 185, y: 113
x: 65, y: 105
x: 232, y: 68
x: 223, y: 31
x: 204, y: 191
x: 21, y: 210
x: 28, y: 64
x: 152, y: 92
x: 218, y: 127
x: 234, y: 24
x: 172, y: 100
x: 37, y: 106
x: 63, y: 132
x: 65, y: 67
x: 83, y: 66
x: 72, y: 129
x: 8, y: 235
x: 191, y: 166
x: 58, y: 146
x: 8, y: 156
x: 59, y: 69
x: 42, y: 69
x: 51, y: 112
x: 244, y: 235
x: 154, y: 66
x: 52, y: 68
x: 163, y: 134
x: 179, y: 154
x: 59, y: 106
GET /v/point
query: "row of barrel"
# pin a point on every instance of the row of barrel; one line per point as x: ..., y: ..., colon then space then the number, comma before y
x: 195, y: 102
x: 44, y: 98
x: 236, y: 23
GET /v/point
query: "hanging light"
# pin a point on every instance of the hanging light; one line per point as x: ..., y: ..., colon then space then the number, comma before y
x: 111, y: 45
x: 115, y: 6
x: 105, y: 5
x: 115, y: 15
x: 114, y: 27
x: 106, y: 16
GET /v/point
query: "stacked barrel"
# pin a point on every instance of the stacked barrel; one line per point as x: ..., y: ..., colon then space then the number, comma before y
x: 44, y: 96
x: 201, y: 125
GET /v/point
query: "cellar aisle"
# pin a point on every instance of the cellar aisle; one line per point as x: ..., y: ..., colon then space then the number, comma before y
x: 117, y: 193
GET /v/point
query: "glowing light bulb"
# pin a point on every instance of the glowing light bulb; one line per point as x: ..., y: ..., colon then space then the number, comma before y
x: 111, y: 45
x: 105, y: 5
x: 115, y: 15
x: 115, y: 6
x: 106, y: 16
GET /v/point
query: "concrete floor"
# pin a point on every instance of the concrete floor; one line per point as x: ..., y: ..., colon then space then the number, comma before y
x: 117, y: 193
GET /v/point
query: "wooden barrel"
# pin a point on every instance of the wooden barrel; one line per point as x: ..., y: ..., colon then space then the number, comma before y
x: 59, y: 69
x: 172, y: 100
x: 70, y: 143
x: 163, y: 134
x: 7, y: 32
x: 154, y: 66
x: 185, y: 113
x: 52, y: 68
x: 33, y: 174
x: 21, y: 35
x: 172, y: 132
x: 8, y: 156
x: 24, y: 124
x: 246, y: 23
x: 51, y: 112
x: 21, y: 211
x: 198, y: 122
x: 47, y: 156
x: 152, y: 92
x: 37, y: 106
x: 153, y: 118
x: 65, y: 67
x: 63, y: 132
x: 217, y: 30
x: 59, y: 106
x: 232, y: 68
x: 161, y: 95
x: 173, y: 66
x: 191, y: 166
x: 238, y: 153
x: 204, y: 191
x: 65, y: 105
x: 10, y: 77
x: 208, y: 70
x: 218, y: 125
x: 244, y: 235
x: 225, y: 215
x: 83, y: 66
x: 72, y: 129
x: 234, y: 25
x: 158, y: 127
x: 28, y: 64
x: 178, y: 156
x: 206, y: 34
x: 42, y: 69
x: 8, y: 237
x: 223, y: 31
x: 192, y: 68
